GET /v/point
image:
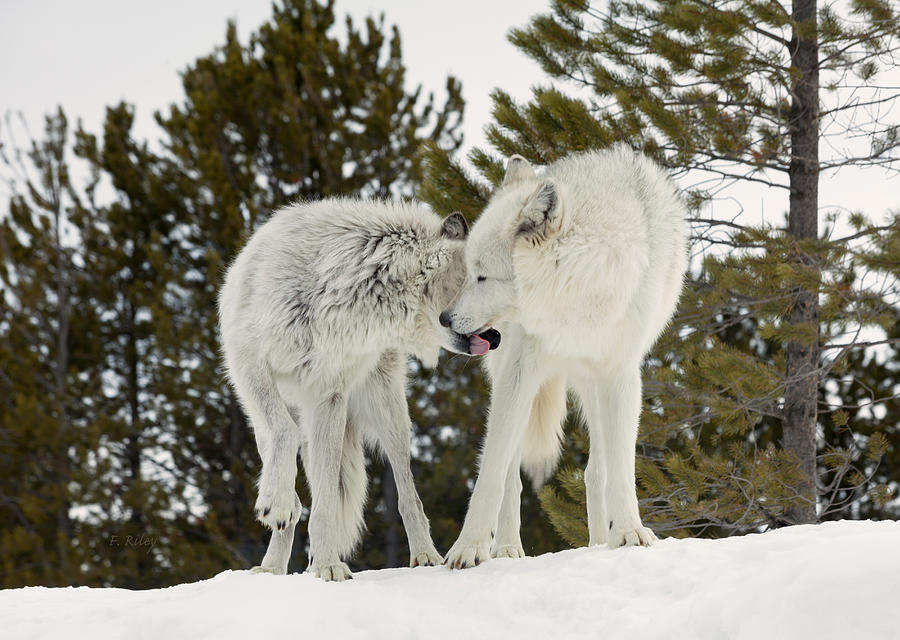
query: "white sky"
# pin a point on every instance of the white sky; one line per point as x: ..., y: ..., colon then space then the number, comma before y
x: 87, y: 54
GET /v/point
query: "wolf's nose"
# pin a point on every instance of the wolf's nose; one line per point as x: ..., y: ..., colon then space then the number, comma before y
x: 444, y: 319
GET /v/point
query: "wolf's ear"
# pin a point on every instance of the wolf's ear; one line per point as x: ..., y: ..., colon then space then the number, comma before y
x: 540, y: 217
x: 517, y: 169
x: 455, y: 227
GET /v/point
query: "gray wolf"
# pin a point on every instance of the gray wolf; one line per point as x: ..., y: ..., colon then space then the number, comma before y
x: 579, y: 269
x: 317, y: 315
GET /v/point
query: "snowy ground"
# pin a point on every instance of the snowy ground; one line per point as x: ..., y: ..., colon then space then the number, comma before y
x: 835, y: 580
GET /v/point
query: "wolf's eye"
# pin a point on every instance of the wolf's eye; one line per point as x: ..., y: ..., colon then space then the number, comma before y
x: 481, y: 278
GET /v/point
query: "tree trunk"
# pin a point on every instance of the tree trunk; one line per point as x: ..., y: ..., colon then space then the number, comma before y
x: 391, y: 518
x: 237, y: 439
x: 133, y: 446
x: 61, y: 372
x: 801, y: 374
x: 133, y: 450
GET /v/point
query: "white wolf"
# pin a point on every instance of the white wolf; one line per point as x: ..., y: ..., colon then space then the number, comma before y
x: 317, y: 314
x: 580, y: 270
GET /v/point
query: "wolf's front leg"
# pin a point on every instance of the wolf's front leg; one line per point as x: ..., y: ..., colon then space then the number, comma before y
x: 515, y: 384
x: 421, y: 549
x: 508, y: 540
x: 379, y: 407
x: 328, y: 421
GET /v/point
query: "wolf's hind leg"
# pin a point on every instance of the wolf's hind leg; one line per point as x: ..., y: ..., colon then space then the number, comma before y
x: 327, y: 425
x: 352, y: 490
x: 277, y: 438
x: 612, y: 406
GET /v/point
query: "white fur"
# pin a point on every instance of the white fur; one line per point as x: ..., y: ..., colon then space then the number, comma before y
x: 317, y: 314
x: 580, y: 269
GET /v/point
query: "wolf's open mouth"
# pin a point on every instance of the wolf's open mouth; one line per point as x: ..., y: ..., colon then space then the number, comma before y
x: 481, y: 343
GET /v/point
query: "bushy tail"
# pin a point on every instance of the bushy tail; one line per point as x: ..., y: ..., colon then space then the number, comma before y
x: 540, y: 450
x: 352, y: 487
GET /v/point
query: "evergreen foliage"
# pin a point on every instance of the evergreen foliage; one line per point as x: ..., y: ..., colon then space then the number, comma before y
x: 780, y: 328
x: 140, y: 469
x: 125, y: 460
x: 296, y: 113
x: 48, y: 436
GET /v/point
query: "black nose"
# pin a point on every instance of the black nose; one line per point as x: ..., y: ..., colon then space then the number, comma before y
x: 444, y: 319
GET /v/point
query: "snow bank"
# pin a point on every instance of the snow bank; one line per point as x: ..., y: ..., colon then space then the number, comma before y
x: 834, y: 580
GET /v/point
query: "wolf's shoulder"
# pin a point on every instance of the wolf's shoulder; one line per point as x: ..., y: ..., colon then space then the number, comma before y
x: 353, y: 215
x: 616, y: 164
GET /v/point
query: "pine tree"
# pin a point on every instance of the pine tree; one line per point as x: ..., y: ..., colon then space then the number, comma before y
x: 143, y: 438
x: 299, y: 112
x: 732, y: 90
x: 118, y: 416
x: 127, y: 252
x: 47, y: 367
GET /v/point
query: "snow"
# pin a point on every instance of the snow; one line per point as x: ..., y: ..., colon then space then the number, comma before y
x: 834, y: 580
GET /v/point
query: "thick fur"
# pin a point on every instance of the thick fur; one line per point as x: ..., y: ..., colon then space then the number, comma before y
x: 541, y: 441
x: 317, y: 315
x: 580, y: 269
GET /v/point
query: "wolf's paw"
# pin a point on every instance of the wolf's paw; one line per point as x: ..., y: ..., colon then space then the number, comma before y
x: 332, y: 572
x: 508, y: 551
x: 468, y: 553
x: 277, y: 509
x: 598, y: 538
x: 273, y: 570
x: 427, y: 558
x: 631, y: 537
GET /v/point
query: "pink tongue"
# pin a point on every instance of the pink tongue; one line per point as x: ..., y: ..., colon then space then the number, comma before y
x: 478, y: 346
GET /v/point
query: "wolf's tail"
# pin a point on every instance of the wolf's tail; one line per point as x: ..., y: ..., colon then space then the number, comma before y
x: 352, y: 487
x: 540, y: 450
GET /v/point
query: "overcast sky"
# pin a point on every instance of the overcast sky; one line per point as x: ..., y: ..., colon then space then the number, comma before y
x: 87, y: 54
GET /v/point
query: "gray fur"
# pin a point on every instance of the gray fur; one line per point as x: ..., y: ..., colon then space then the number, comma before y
x: 317, y: 314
